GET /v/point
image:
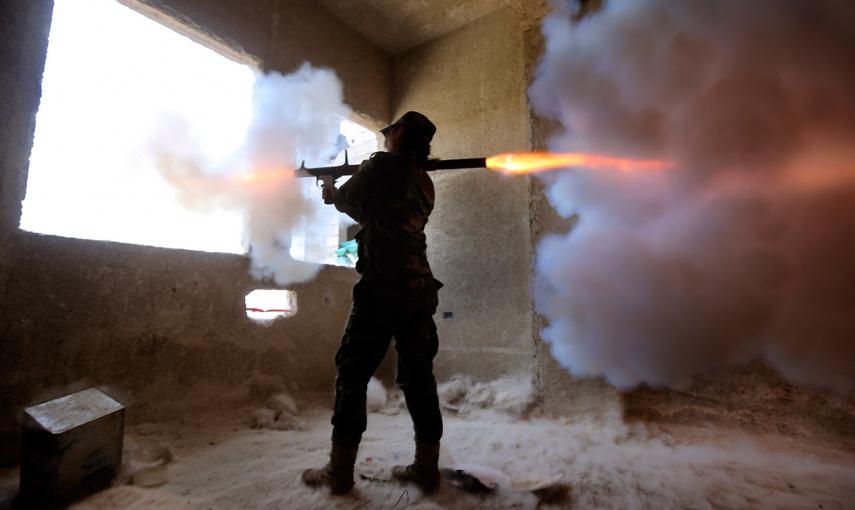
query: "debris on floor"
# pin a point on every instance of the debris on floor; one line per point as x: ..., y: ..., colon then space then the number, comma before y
x: 489, y: 460
x: 376, y: 396
x: 146, y: 464
x: 511, y: 395
x: 279, y: 413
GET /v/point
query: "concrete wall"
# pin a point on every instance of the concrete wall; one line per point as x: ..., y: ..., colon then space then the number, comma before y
x: 280, y: 35
x: 470, y: 82
x: 23, y: 46
x: 161, y: 327
x: 481, y: 237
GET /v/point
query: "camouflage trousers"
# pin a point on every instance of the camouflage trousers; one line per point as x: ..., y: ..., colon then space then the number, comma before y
x: 379, y: 314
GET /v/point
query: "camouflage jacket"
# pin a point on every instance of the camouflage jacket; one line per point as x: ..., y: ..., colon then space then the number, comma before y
x: 391, y: 197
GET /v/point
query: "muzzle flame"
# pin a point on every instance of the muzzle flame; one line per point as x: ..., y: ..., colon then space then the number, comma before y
x: 262, y: 176
x: 530, y: 162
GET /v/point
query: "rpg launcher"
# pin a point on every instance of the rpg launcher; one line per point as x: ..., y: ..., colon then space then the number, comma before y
x: 327, y: 175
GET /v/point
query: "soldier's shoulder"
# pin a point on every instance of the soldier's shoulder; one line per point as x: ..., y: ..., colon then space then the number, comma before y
x: 383, y: 160
x: 381, y: 157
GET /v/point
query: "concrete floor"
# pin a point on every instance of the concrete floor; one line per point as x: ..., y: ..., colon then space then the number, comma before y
x: 219, y: 462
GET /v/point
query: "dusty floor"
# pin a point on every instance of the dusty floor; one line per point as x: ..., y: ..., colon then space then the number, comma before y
x: 221, y: 463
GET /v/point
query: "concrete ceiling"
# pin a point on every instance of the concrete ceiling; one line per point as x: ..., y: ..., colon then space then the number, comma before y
x: 398, y: 25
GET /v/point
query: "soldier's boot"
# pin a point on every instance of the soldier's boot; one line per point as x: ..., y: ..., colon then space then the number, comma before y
x: 337, y: 474
x: 424, y: 471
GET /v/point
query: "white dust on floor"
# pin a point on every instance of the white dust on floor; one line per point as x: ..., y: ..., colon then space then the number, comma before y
x: 221, y: 463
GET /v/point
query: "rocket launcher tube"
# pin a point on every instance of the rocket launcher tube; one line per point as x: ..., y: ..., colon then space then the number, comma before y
x: 327, y: 175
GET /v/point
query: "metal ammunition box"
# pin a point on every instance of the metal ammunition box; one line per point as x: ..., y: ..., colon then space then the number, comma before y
x: 71, y: 446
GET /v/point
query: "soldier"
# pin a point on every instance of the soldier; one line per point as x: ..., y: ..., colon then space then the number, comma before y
x: 391, y: 196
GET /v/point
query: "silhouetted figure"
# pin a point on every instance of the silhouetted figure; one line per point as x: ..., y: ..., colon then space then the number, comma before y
x: 391, y: 196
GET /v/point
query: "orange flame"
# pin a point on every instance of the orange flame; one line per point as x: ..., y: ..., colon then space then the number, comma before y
x: 261, y: 176
x: 528, y: 162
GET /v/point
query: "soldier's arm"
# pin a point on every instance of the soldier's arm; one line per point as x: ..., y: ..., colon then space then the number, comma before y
x: 350, y: 196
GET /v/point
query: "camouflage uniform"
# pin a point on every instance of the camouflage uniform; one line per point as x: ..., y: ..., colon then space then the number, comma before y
x: 391, y: 197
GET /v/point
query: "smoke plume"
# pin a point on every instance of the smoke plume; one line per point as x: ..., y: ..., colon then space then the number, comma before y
x: 744, y: 249
x: 292, y: 114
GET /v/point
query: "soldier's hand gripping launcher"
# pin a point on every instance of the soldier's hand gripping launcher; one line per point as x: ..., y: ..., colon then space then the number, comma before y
x: 327, y: 175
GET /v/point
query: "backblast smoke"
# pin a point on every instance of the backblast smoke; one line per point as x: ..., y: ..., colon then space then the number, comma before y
x: 295, y: 114
x: 744, y: 249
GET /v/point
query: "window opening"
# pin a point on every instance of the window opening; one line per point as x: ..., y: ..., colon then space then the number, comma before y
x: 110, y: 76
x: 267, y: 305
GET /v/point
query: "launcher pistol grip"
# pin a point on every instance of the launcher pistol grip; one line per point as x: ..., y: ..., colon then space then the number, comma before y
x: 327, y: 181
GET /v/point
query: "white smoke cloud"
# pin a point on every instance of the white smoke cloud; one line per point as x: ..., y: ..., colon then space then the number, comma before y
x: 744, y: 249
x: 292, y: 114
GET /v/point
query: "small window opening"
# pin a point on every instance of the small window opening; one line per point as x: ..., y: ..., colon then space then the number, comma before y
x: 267, y: 305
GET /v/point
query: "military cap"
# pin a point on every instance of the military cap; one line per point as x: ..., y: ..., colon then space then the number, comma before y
x: 415, y: 121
